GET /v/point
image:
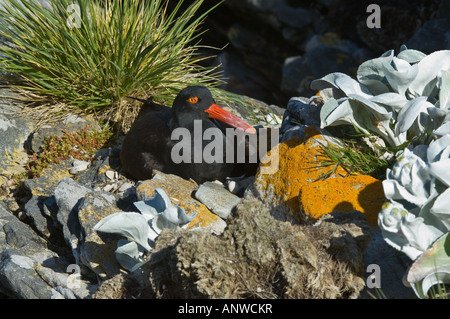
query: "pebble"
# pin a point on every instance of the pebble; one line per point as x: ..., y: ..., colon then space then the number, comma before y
x: 112, y: 175
x: 78, y: 166
x: 124, y: 187
x: 108, y: 187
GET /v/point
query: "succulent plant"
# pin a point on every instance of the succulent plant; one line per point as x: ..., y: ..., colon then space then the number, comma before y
x: 142, y: 229
x: 395, y: 97
x: 431, y: 268
x: 417, y: 212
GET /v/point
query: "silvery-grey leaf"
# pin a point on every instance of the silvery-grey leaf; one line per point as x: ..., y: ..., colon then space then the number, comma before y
x: 128, y: 255
x: 159, y: 202
x: 431, y: 268
x: 129, y: 225
x: 443, y: 129
x: 436, y: 148
x: 371, y: 73
x: 159, y: 223
x: 409, y: 113
x: 177, y: 216
x: 340, y: 81
x: 327, y: 108
x: 400, y: 74
x: 391, y: 99
x: 378, y: 111
x: 429, y: 68
x: 441, y: 170
x: 444, y: 93
x: 145, y: 209
x: 411, y: 56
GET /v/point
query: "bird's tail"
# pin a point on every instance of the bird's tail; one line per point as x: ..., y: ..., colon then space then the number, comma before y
x: 149, y: 100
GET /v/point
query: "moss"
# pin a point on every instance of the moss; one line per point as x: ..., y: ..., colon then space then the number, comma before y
x: 259, y: 257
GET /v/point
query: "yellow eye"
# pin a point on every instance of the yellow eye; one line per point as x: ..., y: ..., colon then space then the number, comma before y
x: 193, y: 99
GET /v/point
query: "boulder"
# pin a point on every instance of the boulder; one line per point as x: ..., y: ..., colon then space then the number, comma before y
x: 433, y: 36
x: 14, y: 129
x: 362, y: 193
x: 29, y: 270
x: 97, y: 249
x: 299, y: 163
x: 304, y: 187
x: 180, y: 193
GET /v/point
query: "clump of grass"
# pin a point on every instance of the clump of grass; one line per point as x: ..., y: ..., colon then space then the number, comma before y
x: 356, y: 157
x: 87, y: 55
x: 80, y: 145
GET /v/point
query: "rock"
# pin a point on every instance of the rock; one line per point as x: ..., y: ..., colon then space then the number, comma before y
x: 238, y: 185
x: 257, y: 256
x: 104, y: 160
x: 70, y: 123
x: 219, y: 200
x: 392, y: 265
x: 298, y: 164
x: 399, y: 21
x: 29, y: 270
x: 14, y: 129
x: 49, y: 179
x: 78, y: 166
x: 97, y: 249
x: 300, y: 71
x: 35, y: 209
x: 180, y: 193
x: 68, y: 195
x: 362, y: 193
x: 300, y: 113
x: 434, y: 35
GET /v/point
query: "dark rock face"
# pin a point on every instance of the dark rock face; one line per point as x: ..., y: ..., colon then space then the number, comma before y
x: 261, y: 38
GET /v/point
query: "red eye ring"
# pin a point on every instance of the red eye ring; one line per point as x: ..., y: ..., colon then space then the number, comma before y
x: 193, y: 99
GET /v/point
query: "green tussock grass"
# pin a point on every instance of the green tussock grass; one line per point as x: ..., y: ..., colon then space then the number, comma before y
x: 356, y: 158
x: 86, y: 56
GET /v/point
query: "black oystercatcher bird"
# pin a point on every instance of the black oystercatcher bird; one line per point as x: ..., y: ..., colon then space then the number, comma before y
x: 155, y: 134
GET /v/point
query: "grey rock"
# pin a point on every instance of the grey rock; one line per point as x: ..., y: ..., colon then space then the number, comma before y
x: 70, y: 123
x: 104, y: 160
x: 300, y: 71
x: 434, y: 35
x: 36, y: 210
x: 97, y: 249
x: 19, y: 279
x: 297, y: 18
x: 218, y: 199
x: 28, y: 269
x: 15, y: 128
x: 392, y: 264
x: 300, y: 112
x: 49, y: 179
x: 68, y: 195
x: 78, y: 166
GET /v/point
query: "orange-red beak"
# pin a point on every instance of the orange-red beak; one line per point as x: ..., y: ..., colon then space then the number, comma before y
x: 216, y: 112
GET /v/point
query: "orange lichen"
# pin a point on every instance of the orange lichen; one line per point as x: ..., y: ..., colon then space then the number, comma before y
x: 300, y: 162
x: 363, y: 193
x: 299, y: 189
x: 180, y: 194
